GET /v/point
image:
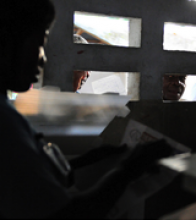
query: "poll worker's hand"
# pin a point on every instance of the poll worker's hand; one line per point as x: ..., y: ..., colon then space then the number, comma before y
x: 144, y: 156
x: 96, y: 155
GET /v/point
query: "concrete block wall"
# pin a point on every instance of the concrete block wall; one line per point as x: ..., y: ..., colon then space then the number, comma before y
x: 150, y: 60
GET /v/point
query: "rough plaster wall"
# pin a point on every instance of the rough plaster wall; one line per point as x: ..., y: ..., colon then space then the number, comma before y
x: 60, y: 51
x: 133, y: 82
x: 150, y: 60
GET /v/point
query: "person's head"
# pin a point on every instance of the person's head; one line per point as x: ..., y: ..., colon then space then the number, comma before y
x: 79, y: 76
x: 173, y: 87
x: 79, y: 39
x: 23, y: 28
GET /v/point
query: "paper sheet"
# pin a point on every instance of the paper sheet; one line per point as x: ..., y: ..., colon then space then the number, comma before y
x: 109, y: 84
x: 136, y: 133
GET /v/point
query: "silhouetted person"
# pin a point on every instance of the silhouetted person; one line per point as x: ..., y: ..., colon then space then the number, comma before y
x: 34, y: 175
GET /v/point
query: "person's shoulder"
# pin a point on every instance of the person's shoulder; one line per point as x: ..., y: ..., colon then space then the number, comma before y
x: 6, y: 109
x: 9, y: 117
x: 5, y: 106
x: 15, y: 130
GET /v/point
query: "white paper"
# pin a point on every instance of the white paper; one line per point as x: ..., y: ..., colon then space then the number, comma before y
x: 111, y: 84
x: 136, y: 133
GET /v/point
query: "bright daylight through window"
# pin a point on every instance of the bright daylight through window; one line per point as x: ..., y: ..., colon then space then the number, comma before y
x: 108, y: 30
x: 182, y: 37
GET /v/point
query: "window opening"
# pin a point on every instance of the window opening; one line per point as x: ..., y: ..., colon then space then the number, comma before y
x: 177, y: 87
x: 179, y: 37
x: 117, y: 83
x: 108, y: 30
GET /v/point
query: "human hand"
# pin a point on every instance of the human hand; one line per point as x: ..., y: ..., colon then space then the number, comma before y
x: 96, y: 155
x: 144, y: 156
x: 106, y: 151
